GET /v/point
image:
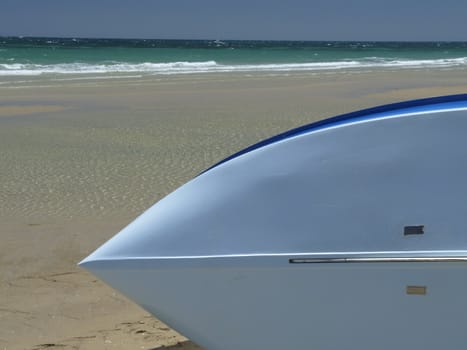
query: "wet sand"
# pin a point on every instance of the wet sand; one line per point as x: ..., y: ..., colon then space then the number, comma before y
x: 80, y: 159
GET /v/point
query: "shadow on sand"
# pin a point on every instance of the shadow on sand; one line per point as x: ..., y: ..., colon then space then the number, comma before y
x: 186, y: 345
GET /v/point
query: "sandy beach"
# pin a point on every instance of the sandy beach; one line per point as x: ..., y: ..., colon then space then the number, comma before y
x: 82, y: 158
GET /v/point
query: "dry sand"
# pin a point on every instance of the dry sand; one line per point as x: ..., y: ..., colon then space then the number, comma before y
x: 80, y: 159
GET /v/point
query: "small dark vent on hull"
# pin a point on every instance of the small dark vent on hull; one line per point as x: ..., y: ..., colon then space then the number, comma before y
x: 414, y: 230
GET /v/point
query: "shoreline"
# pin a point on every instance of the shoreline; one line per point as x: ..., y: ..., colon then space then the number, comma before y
x: 49, y: 80
x: 80, y: 161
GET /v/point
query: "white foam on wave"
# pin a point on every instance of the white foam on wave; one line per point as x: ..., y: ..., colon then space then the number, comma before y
x: 212, y: 66
x: 111, y: 67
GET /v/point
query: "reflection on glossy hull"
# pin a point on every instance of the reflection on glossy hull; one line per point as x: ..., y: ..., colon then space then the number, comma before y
x: 345, y: 233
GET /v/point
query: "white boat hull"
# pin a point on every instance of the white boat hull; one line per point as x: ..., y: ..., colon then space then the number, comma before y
x: 269, y: 303
x: 348, y: 233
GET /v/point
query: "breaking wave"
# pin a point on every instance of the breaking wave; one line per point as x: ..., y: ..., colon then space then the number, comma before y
x: 20, y: 69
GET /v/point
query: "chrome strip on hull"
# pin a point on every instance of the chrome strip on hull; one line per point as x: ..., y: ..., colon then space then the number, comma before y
x: 377, y: 260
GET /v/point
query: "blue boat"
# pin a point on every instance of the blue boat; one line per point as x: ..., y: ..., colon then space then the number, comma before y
x: 346, y: 233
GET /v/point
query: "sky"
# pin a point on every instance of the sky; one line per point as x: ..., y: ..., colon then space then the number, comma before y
x: 360, y: 20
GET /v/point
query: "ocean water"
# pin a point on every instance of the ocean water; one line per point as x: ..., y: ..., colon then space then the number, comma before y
x: 71, y: 57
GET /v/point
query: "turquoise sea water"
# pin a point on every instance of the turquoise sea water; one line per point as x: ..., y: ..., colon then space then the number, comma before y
x: 70, y: 56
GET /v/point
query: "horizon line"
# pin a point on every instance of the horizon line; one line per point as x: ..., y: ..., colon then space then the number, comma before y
x: 231, y: 40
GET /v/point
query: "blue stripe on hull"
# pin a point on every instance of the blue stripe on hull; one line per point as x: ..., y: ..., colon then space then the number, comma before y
x: 412, y: 106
